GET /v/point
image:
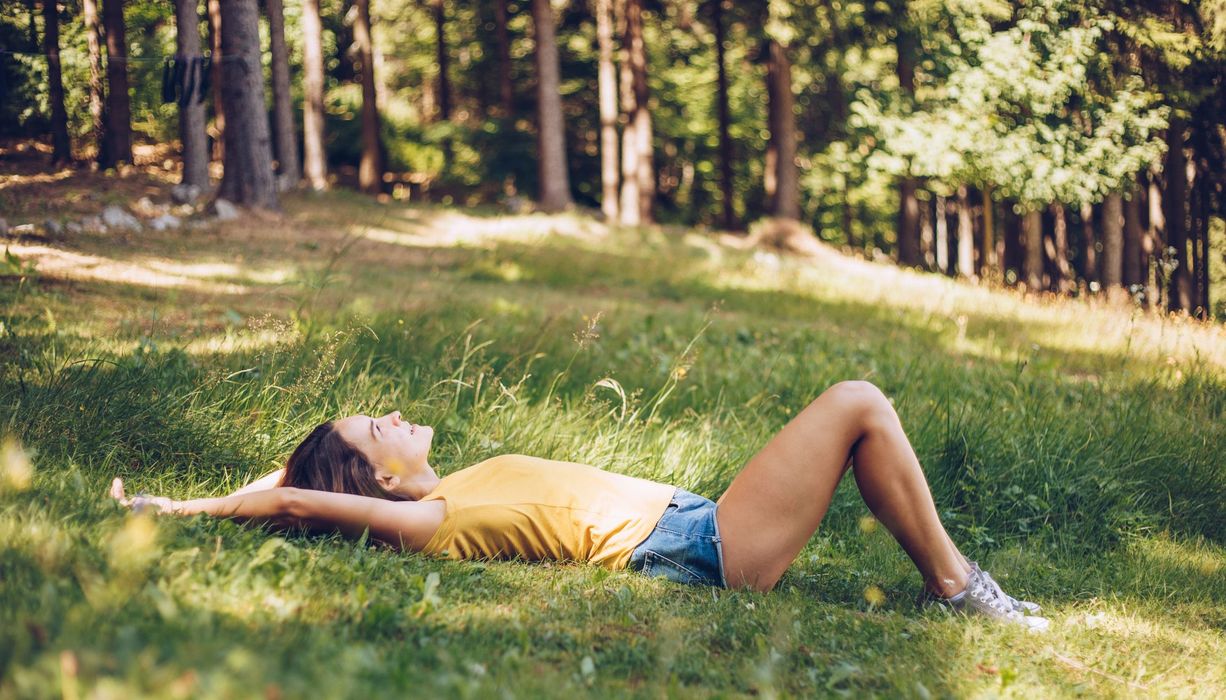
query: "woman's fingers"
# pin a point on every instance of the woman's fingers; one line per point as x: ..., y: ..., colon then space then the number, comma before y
x: 117, y: 489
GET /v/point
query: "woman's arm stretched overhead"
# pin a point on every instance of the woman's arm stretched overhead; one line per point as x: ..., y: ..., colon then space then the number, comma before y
x: 401, y: 524
x: 268, y: 481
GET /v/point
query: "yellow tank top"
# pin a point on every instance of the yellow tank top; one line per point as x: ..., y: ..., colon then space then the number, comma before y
x: 515, y: 506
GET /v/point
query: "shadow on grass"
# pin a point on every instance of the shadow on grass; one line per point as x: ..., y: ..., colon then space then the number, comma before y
x: 310, y: 624
x: 911, y: 359
x: 333, y: 618
x: 1084, y: 448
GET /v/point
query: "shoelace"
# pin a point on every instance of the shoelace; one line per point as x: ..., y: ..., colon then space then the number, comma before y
x: 997, y: 598
x: 1013, y: 602
x: 992, y: 582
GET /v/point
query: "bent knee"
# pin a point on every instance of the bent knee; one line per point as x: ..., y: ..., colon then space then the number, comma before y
x: 863, y: 400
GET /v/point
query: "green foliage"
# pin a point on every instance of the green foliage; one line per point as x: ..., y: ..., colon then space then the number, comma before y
x: 16, y: 267
x: 1031, y: 110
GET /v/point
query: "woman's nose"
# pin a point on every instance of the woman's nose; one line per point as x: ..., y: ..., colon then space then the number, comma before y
x: 395, y: 417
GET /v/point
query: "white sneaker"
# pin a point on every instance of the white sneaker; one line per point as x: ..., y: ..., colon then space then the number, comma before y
x: 983, y: 596
x: 1025, y: 607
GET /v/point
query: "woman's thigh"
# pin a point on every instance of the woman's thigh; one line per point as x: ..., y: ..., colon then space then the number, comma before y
x: 775, y: 504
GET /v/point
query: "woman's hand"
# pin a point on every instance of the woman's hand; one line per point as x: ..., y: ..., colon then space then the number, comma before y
x: 141, y: 503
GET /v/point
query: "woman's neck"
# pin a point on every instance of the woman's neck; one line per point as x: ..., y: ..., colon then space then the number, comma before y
x: 420, y: 485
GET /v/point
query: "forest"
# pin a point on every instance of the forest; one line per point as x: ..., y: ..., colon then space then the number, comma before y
x: 1064, y: 146
x: 644, y: 236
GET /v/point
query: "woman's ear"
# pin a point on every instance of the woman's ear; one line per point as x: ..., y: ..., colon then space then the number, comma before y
x: 387, y: 481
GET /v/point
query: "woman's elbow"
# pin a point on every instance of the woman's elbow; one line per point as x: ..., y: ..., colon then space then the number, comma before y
x: 291, y: 503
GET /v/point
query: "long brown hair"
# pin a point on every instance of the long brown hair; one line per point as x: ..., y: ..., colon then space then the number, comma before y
x: 325, y: 461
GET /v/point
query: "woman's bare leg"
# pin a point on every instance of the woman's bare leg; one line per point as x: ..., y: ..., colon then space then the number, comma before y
x: 777, y: 501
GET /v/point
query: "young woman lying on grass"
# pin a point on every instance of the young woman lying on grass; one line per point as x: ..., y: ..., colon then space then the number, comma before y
x: 361, y: 473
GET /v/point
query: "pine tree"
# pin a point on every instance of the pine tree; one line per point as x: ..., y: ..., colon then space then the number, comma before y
x: 283, y: 107
x: 554, y: 176
x: 192, y: 133
x: 315, y: 160
x: 370, y: 169
x: 61, y: 146
x: 248, y: 178
x: 118, y: 114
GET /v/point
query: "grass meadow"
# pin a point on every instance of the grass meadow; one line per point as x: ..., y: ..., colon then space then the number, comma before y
x: 1078, y: 451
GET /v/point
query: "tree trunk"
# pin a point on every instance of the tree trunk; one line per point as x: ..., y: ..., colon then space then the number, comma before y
x: 966, y: 235
x: 1061, y: 271
x: 770, y: 159
x: 1113, y: 244
x: 551, y: 130
x: 724, y: 117
x: 1207, y: 188
x: 1131, y: 273
x: 1048, y: 224
x: 1200, y: 212
x: 940, y: 234
x: 506, y: 93
x: 1206, y: 297
x: 1089, y: 250
x: 628, y: 209
x: 941, y: 242
x: 219, y: 107
x: 370, y: 169
x: 909, y: 253
x: 927, y: 234
x: 787, y: 190
x: 1012, y: 249
x: 118, y: 110
x: 640, y: 128
x: 987, y: 246
x: 93, y: 40
x: 440, y: 58
x: 1032, y: 265
x: 61, y: 145
x: 607, y: 82
x: 315, y: 158
x: 282, y: 99
x: 1203, y: 230
x: 638, y: 182
x: 951, y: 236
x: 1179, y: 294
x: 192, y: 135
x: 1153, y: 244
x: 1196, y: 259
x: 248, y: 176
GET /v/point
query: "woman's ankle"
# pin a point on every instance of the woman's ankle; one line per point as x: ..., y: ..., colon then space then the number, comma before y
x: 947, y: 585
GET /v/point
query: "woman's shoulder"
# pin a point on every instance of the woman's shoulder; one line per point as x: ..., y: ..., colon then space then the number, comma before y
x: 512, y: 459
x: 513, y: 462
x: 495, y: 463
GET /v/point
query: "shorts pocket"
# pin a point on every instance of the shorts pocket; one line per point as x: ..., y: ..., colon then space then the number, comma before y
x: 656, y: 564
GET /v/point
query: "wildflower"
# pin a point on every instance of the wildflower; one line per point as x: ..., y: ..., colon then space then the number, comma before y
x: 874, y: 595
x: 16, y: 472
x: 135, y: 543
x: 868, y: 524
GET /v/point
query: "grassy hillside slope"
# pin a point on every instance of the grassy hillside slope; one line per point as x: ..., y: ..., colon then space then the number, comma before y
x: 1075, y: 450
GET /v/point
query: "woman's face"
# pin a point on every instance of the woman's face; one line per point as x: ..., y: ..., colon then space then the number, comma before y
x: 397, y: 448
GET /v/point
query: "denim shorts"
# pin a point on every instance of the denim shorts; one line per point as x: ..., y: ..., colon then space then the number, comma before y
x: 685, y: 546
